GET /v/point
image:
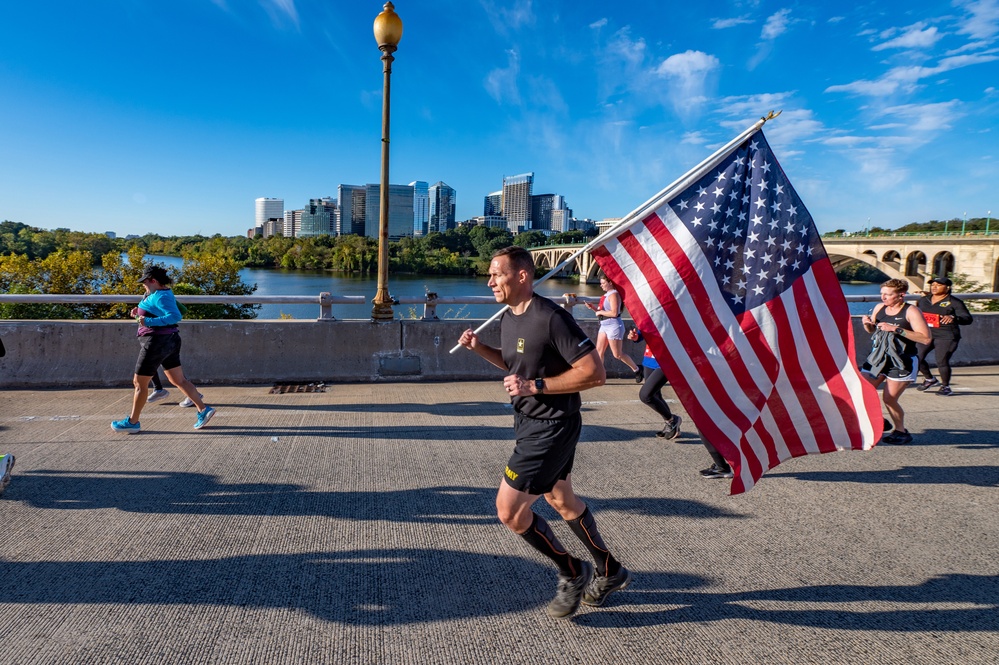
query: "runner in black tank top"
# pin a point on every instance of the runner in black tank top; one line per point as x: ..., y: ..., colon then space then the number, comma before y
x: 895, y: 328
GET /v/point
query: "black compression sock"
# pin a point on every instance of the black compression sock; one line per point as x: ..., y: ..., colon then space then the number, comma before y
x: 585, y: 528
x: 541, y: 538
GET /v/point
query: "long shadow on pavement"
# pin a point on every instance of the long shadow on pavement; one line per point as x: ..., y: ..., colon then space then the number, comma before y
x: 400, y: 586
x: 203, y: 494
x: 882, y: 608
x: 975, y: 476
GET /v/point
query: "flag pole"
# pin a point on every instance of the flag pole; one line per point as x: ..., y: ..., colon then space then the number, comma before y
x: 639, y: 213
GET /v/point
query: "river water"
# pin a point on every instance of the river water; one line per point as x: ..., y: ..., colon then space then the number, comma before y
x: 276, y: 282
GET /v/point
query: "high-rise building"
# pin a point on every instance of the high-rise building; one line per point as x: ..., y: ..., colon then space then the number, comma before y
x: 442, y: 207
x: 493, y: 204
x: 318, y: 218
x: 268, y: 209
x: 292, y: 223
x: 562, y: 220
x: 350, y: 219
x: 543, y: 209
x: 421, y: 207
x: 517, y: 201
x: 400, y: 217
x: 273, y: 227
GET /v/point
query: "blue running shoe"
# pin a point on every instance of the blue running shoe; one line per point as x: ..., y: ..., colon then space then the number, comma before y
x: 125, y: 425
x: 204, y: 417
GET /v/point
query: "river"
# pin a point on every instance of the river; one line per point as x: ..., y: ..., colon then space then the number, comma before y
x: 277, y: 282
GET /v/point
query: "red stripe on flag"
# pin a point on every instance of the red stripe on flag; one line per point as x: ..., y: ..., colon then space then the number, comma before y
x: 703, y: 306
x: 829, y: 336
x: 826, y: 281
x: 678, y: 379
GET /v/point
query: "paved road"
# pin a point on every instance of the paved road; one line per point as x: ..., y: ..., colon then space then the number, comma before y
x: 357, y: 526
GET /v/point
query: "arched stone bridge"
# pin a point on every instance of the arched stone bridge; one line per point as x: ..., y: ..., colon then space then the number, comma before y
x: 912, y: 258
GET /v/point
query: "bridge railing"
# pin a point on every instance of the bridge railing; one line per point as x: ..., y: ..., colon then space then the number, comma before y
x: 326, y: 300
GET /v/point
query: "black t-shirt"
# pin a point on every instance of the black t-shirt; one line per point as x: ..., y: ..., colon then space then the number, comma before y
x: 544, y: 341
x: 949, y: 306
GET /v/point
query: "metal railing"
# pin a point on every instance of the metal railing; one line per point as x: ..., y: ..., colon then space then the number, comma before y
x: 326, y: 300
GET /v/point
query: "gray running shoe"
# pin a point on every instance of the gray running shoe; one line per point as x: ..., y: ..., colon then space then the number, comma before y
x: 600, y: 587
x: 187, y: 401
x: 570, y: 591
x: 671, y: 429
x: 158, y: 395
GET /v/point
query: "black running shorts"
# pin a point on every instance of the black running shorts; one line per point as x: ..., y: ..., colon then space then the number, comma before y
x: 156, y: 350
x: 544, y: 454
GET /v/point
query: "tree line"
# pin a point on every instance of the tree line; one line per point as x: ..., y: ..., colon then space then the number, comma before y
x: 37, y: 261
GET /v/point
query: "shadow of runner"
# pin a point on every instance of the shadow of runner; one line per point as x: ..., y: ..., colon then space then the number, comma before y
x: 364, y: 587
x: 906, y: 609
x: 975, y: 476
x: 203, y: 494
x: 400, y: 586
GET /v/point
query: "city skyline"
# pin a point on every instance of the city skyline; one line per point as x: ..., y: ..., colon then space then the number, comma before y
x: 888, y: 109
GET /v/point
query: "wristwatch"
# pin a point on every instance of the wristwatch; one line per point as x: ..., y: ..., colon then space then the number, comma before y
x: 539, y: 385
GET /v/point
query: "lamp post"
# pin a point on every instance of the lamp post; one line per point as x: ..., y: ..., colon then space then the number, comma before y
x: 964, y: 223
x: 388, y: 32
x: 988, y: 220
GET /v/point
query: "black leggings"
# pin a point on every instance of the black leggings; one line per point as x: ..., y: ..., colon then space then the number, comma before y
x: 651, y: 392
x: 945, y: 348
x: 157, y: 384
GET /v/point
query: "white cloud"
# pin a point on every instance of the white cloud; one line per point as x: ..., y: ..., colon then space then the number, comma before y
x: 280, y: 10
x: 687, y: 78
x: 688, y: 66
x: 723, y: 23
x: 906, y: 78
x: 598, y: 24
x: 923, y: 119
x: 753, y: 107
x: 501, y: 83
x: 983, y: 20
x: 505, y: 19
x: 776, y: 25
x: 693, y: 138
x: 914, y: 36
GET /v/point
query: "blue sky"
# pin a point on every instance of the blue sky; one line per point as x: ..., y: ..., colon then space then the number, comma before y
x: 172, y: 117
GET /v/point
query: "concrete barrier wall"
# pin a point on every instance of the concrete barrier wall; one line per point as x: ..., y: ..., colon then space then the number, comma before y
x: 102, y: 353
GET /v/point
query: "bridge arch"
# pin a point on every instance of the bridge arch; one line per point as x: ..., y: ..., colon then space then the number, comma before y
x: 943, y: 263
x: 892, y: 257
x: 915, y: 264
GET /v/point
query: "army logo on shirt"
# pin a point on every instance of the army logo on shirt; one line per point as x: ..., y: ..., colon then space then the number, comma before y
x: 520, y: 345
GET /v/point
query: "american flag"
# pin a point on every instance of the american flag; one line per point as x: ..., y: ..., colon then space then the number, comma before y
x: 731, y: 287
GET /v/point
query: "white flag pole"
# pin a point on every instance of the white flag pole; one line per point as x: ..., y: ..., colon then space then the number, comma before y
x: 642, y: 211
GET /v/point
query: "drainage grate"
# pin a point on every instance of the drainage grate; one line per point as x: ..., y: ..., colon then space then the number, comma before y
x: 282, y: 388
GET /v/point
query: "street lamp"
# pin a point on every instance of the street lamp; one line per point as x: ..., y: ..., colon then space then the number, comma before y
x: 987, y: 221
x: 964, y: 223
x: 388, y: 32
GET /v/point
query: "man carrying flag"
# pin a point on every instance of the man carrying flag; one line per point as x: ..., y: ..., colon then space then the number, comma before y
x: 727, y: 279
x: 548, y: 360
